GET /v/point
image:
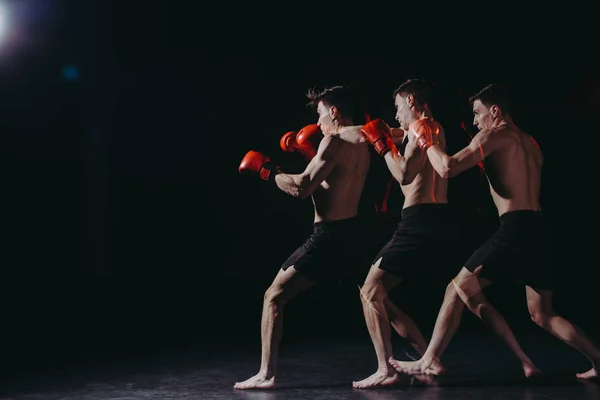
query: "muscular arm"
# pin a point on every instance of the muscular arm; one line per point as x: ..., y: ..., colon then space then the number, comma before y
x: 304, y: 184
x: 483, y: 144
x: 406, y: 168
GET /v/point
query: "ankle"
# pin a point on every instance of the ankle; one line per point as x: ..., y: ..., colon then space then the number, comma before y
x: 421, y: 350
x: 431, y: 361
x: 388, y: 370
x: 266, y: 373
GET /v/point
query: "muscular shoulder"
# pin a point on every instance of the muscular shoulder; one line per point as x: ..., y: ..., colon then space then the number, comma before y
x: 496, y: 134
x: 351, y: 134
x: 491, y: 140
x: 330, y: 146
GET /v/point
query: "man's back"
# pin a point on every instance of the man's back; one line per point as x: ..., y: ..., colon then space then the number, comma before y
x: 514, y: 170
x: 339, y: 195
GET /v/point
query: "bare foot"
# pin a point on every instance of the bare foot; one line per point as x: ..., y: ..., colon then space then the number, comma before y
x: 378, y: 379
x: 258, y: 381
x: 419, y: 367
x: 531, y: 370
x: 591, y: 374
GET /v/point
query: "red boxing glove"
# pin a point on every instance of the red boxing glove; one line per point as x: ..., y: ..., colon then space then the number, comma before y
x: 304, y: 142
x: 255, y: 163
x: 379, y: 134
x: 308, y: 140
x: 426, y: 131
x: 288, y: 142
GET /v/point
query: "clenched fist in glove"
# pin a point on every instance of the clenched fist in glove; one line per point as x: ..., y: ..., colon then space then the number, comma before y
x: 257, y: 164
x: 426, y: 131
x: 379, y: 134
x: 304, y: 142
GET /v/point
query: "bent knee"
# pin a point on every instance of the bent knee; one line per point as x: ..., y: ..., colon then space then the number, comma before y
x: 451, y: 289
x: 465, y: 276
x: 372, y: 291
x: 477, y: 308
x: 275, y: 295
x: 541, y: 318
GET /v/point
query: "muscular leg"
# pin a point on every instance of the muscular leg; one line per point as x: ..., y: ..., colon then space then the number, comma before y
x: 469, y: 287
x: 542, y: 313
x: 470, y: 291
x: 405, y: 326
x: 286, y: 285
x: 446, y: 325
x: 376, y: 304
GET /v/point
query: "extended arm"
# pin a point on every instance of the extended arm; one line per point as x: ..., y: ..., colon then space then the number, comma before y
x: 482, y: 145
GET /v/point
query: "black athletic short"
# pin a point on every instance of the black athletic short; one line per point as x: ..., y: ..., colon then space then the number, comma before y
x: 333, y: 249
x: 426, y: 244
x: 517, y: 253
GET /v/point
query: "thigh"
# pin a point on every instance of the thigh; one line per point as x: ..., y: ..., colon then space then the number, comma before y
x: 497, y: 260
x: 402, y: 253
x: 380, y: 278
x: 470, y: 285
x: 537, y: 268
x: 318, y: 258
x: 289, y: 283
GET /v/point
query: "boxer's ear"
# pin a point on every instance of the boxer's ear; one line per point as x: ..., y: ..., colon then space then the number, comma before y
x: 410, y: 100
x: 333, y: 112
x: 495, y: 111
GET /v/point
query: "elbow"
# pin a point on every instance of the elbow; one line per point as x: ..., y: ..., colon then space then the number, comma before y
x: 451, y: 174
x: 448, y: 169
x: 445, y: 173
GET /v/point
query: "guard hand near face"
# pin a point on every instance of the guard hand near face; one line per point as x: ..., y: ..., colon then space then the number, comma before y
x: 379, y: 134
x: 398, y: 135
x: 426, y: 132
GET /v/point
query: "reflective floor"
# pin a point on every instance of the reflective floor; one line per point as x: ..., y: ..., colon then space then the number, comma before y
x: 479, y: 367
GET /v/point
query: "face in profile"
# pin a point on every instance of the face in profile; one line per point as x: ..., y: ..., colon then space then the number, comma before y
x: 325, y: 121
x: 403, y: 113
x: 482, y: 116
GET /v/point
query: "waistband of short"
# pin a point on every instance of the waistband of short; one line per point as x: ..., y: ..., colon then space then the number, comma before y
x: 511, y: 217
x: 425, y: 209
x: 338, y: 223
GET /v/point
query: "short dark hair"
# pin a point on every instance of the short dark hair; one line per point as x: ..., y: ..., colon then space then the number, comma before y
x: 419, y: 88
x: 346, y: 99
x: 494, y: 94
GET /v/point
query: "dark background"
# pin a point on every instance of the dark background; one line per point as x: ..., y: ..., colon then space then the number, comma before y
x: 125, y: 224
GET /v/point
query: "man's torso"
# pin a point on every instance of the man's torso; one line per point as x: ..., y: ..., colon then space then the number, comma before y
x: 514, y: 171
x: 339, y: 195
x: 428, y: 186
